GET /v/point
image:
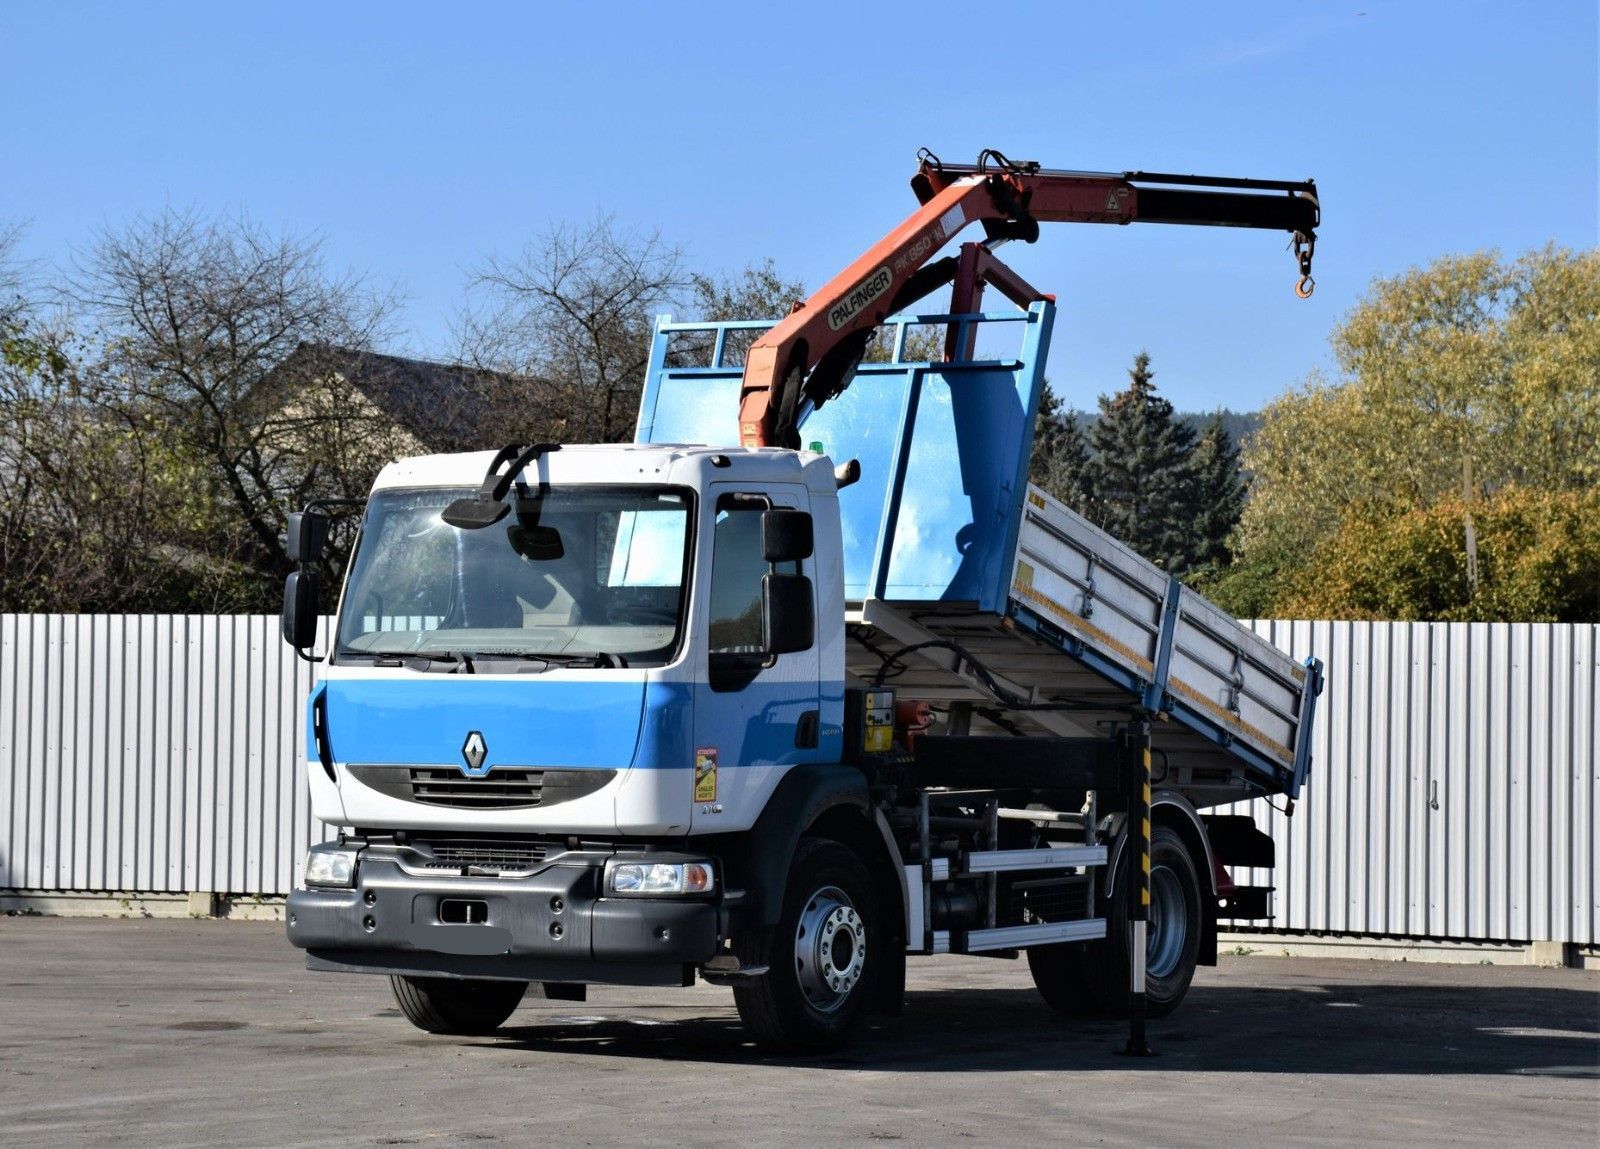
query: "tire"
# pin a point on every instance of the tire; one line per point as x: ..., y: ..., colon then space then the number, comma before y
x: 1092, y: 978
x: 1058, y: 976
x: 822, y: 967
x: 459, y: 1006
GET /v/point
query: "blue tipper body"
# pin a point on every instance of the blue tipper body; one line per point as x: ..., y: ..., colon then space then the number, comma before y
x: 944, y: 451
x: 943, y: 448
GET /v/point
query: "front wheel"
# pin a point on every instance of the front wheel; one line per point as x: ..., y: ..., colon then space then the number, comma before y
x: 820, y: 959
x: 1093, y: 977
x: 460, y: 1006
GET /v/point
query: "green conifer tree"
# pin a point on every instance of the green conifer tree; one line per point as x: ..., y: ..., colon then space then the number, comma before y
x: 1062, y: 463
x: 1145, y: 471
x: 1217, y: 497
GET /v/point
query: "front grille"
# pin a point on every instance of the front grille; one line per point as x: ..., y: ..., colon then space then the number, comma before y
x: 492, y: 854
x: 503, y: 788
x: 500, y: 789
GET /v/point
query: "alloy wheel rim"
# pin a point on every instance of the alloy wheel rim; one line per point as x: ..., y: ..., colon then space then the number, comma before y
x: 1169, y: 924
x: 830, y: 949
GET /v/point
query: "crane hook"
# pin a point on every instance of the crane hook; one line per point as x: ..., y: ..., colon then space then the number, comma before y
x: 1305, y: 245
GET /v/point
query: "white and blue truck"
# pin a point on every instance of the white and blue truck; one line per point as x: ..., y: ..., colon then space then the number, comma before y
x: 776, y: 702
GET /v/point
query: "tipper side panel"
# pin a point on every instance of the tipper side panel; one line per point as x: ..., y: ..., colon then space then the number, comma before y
x: 1125, y: 618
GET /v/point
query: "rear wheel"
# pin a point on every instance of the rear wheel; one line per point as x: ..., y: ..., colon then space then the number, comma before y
x: 820, y: 960
x: 462, y: 1006
x: 1093, y: 977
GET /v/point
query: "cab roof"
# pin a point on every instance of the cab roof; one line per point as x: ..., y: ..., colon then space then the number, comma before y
x: 676, y: 464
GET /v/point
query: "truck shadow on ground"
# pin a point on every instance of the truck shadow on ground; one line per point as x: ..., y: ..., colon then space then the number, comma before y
x: 1339, y: 1028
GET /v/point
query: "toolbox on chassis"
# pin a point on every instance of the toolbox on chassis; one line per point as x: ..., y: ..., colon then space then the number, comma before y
x: 777, y: 718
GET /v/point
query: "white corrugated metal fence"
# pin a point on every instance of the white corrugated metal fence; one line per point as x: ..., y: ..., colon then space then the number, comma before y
x: 151, y: 753
x: 1454, y: 794
x: 1455, y: 786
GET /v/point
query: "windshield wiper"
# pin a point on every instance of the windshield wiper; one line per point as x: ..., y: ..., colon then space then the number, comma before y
x: 603, y: 658
x: 598, y: 658
x: 462, y: 658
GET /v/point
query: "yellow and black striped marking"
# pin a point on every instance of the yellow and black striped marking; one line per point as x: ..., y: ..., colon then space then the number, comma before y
x: 1143, y: 815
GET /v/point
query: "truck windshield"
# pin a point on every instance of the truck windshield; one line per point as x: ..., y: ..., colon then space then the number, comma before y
x: 574, y: 572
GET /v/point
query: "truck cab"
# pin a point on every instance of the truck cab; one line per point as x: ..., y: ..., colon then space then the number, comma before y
x: 619, y: 665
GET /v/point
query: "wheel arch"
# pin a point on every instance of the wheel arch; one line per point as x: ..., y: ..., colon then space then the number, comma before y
x: 758, y: 860
x: 828, y: 801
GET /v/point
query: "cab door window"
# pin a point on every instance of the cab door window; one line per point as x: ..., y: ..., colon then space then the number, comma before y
x: 736, y: 569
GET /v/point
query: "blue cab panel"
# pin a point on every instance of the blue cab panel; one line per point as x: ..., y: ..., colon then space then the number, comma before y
x: 943, y: 448
x: 525, y: 721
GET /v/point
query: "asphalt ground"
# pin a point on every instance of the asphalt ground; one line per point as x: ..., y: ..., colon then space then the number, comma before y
x: 150, y: 1032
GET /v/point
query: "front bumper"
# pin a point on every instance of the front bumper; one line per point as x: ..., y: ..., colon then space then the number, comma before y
x: 550, y: 924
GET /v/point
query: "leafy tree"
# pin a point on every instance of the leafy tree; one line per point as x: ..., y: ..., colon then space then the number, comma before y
x: 1142, y: 455
x: 93, y: 498
x: 14, y: 302
x: 1456, y: 381
x: 1538, y: 561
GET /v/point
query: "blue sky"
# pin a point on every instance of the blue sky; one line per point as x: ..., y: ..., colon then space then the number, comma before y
x: 418, y: 140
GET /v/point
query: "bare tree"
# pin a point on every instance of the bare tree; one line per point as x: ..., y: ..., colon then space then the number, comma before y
x: 197, y: 317
x: 759, y: 291
x: 571, y: 315
x: 14, y: 302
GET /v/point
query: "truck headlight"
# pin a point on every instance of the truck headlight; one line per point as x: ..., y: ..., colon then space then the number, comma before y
x: 659, y: 879
x: 331, y: 868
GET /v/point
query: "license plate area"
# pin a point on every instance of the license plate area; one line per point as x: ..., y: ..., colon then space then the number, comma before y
x: 464, y: 911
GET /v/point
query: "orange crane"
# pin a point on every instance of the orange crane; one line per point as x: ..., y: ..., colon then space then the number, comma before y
x: 811, y: 356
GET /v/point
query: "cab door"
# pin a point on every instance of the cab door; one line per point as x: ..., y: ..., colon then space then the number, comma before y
x: 755, y: 713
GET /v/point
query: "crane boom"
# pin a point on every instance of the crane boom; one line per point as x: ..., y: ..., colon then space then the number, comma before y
x: 810, y: 356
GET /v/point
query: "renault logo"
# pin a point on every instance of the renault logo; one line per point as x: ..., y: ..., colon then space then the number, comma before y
x: 476, y: 752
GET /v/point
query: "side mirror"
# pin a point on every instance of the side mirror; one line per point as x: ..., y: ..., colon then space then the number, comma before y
x: 307, y: 536
x: 788, y: 619
x: 301, y: 590
x: 786, y: 536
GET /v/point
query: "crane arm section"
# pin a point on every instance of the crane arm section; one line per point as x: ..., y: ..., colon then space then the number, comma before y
x: 810, y: 356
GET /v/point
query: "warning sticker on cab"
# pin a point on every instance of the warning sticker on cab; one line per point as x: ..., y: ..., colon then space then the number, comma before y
x: 705, y: 774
